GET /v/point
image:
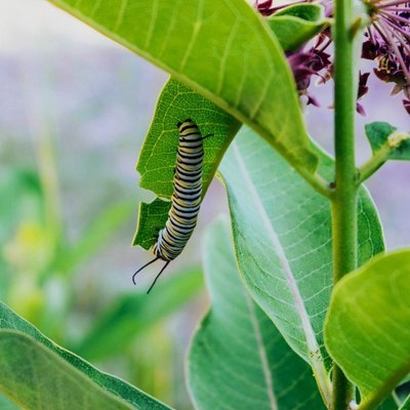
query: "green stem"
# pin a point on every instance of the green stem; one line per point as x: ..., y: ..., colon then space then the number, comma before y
x: 317, y: 182
x: 373, y: 164
x: 382, y: 154
x: 344, y: 204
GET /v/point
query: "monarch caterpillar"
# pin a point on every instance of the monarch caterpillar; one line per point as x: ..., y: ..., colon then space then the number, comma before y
x: 185, y: 200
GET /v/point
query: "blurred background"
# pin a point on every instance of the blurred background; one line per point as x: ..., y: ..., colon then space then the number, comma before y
x: 74, y: 109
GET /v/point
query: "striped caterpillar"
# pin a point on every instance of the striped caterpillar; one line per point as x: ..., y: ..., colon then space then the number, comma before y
x: 185, y: 200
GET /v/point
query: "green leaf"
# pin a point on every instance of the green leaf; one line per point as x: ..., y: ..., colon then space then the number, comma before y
x: 388, y: 404
x: 367, y: 327
x: 238, y: 359
x: 49, y: 371
x: 6, y: 404
x: 307, y: 12
x: 406, y: 404
x: 282, y: 235
x: 383, y: 136
x: 221, y: 49
x: 35, y: 377
x: 133, y: 314
x: 177, y: 102
x: 156, y: 163
x: 294, y: 25
x: 151, y: 219
x: 157, y: 159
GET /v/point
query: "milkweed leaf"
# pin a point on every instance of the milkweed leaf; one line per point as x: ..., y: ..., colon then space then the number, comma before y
x: 237, y: 356
x: 367, y: 327
x: 282, y: 235
x: 37, y: 373
x: 295, y: 25
x: 382, y: 135
x: 221, y: 49
x: 177, y: 102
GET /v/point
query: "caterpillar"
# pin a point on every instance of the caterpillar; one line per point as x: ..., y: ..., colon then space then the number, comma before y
x: 185, y: 200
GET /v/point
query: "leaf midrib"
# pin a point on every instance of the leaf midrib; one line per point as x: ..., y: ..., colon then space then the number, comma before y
x: 312, y: 345
x: 261, y: 352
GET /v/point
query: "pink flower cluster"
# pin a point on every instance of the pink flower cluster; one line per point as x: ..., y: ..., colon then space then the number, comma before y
x: 387, y: 44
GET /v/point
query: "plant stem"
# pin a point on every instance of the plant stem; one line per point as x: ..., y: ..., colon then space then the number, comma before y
x: 381, y: 156
x: 373, y: 164
x: 344, y: 204
x: 317, y: 182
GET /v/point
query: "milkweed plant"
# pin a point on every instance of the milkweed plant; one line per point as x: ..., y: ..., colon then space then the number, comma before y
x: 307, y: 310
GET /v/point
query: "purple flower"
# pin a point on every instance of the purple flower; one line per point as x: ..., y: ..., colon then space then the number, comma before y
x: 265, y: 7
x: 362, y: 90
x: 311, y: 62
x: 387, y: 43
x: 307, y: 61
x: 406, y: 104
